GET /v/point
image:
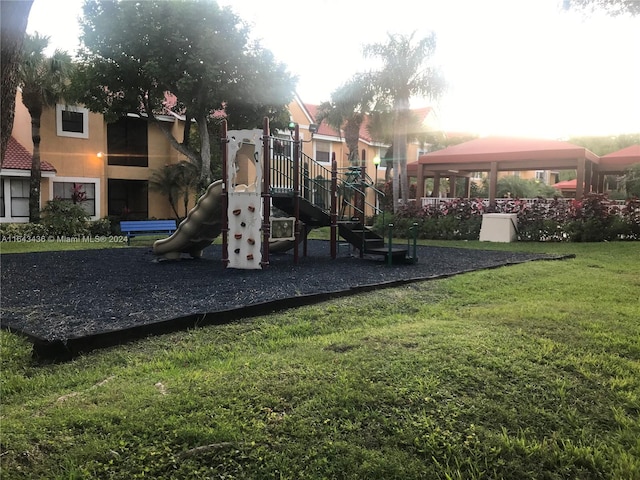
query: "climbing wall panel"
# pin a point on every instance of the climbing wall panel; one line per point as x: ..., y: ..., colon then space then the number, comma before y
x: 244, y: 199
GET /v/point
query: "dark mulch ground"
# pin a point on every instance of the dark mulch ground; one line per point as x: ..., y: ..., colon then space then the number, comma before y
x: 58, y: 296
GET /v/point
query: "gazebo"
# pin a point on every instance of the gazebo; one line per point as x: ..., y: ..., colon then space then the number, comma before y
x: 567, y: 187
x: 616, y: 163
x: 495, y: 154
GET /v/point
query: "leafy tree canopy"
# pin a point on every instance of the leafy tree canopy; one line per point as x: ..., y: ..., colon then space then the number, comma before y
x: 44, y: 81
x: 405, y: 73
x: 14, y: 15
x: 606, y: 144
x: 346, y: 111
x: 133, y: 53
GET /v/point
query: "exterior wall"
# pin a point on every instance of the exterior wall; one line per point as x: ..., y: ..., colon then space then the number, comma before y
x: 22, y: 124
x: 75, y: 159
x: 85, y: 160
x: 160, y: 153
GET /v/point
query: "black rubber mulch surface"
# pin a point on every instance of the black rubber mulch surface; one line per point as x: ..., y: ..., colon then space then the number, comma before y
x: 75, y: 301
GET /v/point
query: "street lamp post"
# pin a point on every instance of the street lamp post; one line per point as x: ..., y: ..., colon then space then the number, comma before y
x: 376, y: 162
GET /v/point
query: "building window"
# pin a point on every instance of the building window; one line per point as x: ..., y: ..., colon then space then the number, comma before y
x: 83, y: 194
x: 72, y: 121
x: 127, y: 142
x: 323, y: 152
x: 19, y: 198
x: 540, y: 175
x: 476, y: 175
x: 128, y: 199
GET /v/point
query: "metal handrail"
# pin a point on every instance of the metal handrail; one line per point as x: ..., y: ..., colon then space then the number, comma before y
x: 314, y: 180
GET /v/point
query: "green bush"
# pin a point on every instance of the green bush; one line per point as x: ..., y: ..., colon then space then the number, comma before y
x: 100, y: 227
x: 631, y: 215
x: 632, y: 180
x: 63, y: 218
x: 13, y: 231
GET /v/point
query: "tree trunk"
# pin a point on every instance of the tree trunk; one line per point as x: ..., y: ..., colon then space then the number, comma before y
x: 352, y: 136
x: 400, y: 139
x: 14, y: 15
x: 400, y: 178
x: 185, y: 199
x: 205, y: 150
x: 36, y: 170
x: 174, y: 205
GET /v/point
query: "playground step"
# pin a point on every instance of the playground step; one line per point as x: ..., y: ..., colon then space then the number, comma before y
x: 397, y: 253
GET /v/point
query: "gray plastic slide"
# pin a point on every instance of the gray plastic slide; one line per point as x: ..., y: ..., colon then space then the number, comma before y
x: 197, y: 231
x: 201, y: 227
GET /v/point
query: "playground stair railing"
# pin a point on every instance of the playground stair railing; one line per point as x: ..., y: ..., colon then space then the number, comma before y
x: 303, y: 187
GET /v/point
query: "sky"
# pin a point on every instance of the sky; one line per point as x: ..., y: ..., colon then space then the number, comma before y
x: 513, y: 67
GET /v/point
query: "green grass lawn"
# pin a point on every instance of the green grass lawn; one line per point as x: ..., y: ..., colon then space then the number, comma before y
x: 530, y: 371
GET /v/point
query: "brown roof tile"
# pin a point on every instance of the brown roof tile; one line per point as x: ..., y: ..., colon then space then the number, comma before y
x: 18, y: 158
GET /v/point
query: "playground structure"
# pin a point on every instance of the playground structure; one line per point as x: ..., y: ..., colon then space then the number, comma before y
x: 263, y: 173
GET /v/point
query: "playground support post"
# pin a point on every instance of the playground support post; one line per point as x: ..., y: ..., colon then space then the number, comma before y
x: 390, y: 254
x: 306, y: 184
x: 414, y: 236
x: 225, y: 197
x: 363, y: 203
x: 296, y: 190
x: 266, y: 193
x: 334, y: 206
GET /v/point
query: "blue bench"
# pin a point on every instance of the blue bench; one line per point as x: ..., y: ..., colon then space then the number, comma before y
x: 134, y: 228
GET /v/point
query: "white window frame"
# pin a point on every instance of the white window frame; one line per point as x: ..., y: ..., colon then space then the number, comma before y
x: 81, y: 180
x: 72, y: 108
x: 315, y: 150
x: 8, y: 214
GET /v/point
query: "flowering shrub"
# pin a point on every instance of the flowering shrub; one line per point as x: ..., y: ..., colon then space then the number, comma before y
x: 631, y: 215
x: 592, y: 219
x: 11, y: 231
x: 64, y: 218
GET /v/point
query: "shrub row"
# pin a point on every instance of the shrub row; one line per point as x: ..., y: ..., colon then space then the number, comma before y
x: 595, y: 218
x: 60, y: 218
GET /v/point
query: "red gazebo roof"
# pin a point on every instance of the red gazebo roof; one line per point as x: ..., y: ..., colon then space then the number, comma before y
x: 507, y: 149
x: 566, y: 185
x: 618, y: 161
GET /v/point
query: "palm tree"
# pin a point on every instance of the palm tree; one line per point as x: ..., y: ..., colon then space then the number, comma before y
x: 346, y: 111
x: 176, y: 181
x: 404, y: 74
x: 44, y: 81
x: 380, y: 127
x: 13, y: 18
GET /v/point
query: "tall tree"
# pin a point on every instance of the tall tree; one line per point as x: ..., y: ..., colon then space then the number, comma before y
x: 14, y: 15
x: 346, y: 111
x: 380, y: 127
x: 133, y: 53
x: 405, y: 73
x: 44, y: 81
